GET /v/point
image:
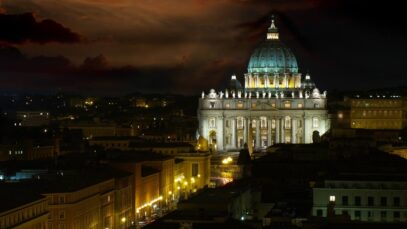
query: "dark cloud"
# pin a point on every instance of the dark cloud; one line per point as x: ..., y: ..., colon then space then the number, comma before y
x: 94, y: 75
x: 99, y: 62
x: 197, y: 45
x: 21, y: 28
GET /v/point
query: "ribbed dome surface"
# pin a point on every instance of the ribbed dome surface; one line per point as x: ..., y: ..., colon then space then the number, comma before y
x: 272, y: 56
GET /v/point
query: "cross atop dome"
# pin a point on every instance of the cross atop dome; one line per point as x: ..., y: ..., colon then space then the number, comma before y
x: 272, y: 33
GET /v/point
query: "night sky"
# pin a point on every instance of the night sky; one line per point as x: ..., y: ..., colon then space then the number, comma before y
x: 112, y: 47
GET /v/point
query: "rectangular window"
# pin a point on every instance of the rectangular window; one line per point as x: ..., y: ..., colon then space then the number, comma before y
x: 319, y: 212
x: 240, y: 105
x: 273, y: 124
x: 383, y: 215
x: 227, y: 123
x: 240, y: 123
x: 300, y: 105
x: 345, y: 200
x: 287, y: 104
x: 370, y: 201
x: 62, y: 199
x: 396, y: 215
x: 357, y: 215
x: 357, y: 201
x: 194, y: 169
x: 227, y: 105
x: 253, y: 105
x: 396, y: 201
x: 383, y: 201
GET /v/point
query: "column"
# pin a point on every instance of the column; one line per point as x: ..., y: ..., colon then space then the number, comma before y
x: 269, y: 131
x: 266, y: 80
x: 234, y: 145
x: 245, y: 129
x: 258, y: 133
x: 246, y: 81
x: 293, y: 130
x: 304, y: 130
x: 277, y: 130
x: 282, y: 131
x: 220, y: 133
x: 257, y: 81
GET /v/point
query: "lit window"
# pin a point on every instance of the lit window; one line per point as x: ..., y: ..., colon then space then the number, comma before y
x: 315, y: 122
x: 240, y: 123
x: 332, y: 198
x: 300, y: 105
x: 273, y: 124
x: 240, y: 104
x: 340, y: 115
x: 227, y: 105
x: 287, y: 104
x: 254, y: 123
x: 253, y: 105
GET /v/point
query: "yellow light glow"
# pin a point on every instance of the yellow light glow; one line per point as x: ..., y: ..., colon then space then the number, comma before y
x: 123, y: 219
x: 199, y: 175
x: 178, y: 187
x: 149, y: 203
x: 227, y: 160
x: 170, y: 192
x: 185, y: 183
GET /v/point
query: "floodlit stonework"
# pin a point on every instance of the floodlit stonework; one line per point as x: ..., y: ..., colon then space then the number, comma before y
x: 277, y: 104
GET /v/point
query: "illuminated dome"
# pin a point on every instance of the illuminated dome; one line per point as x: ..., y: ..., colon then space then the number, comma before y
x: 272, y: 56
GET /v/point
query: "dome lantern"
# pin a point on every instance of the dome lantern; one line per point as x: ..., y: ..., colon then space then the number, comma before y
x: 272, y: 33
x: 271, y: 56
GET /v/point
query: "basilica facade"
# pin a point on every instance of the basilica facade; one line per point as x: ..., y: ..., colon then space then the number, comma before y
x: 276, y: 103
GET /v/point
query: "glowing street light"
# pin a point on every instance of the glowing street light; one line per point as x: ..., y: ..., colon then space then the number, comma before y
x: 227, y: 160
